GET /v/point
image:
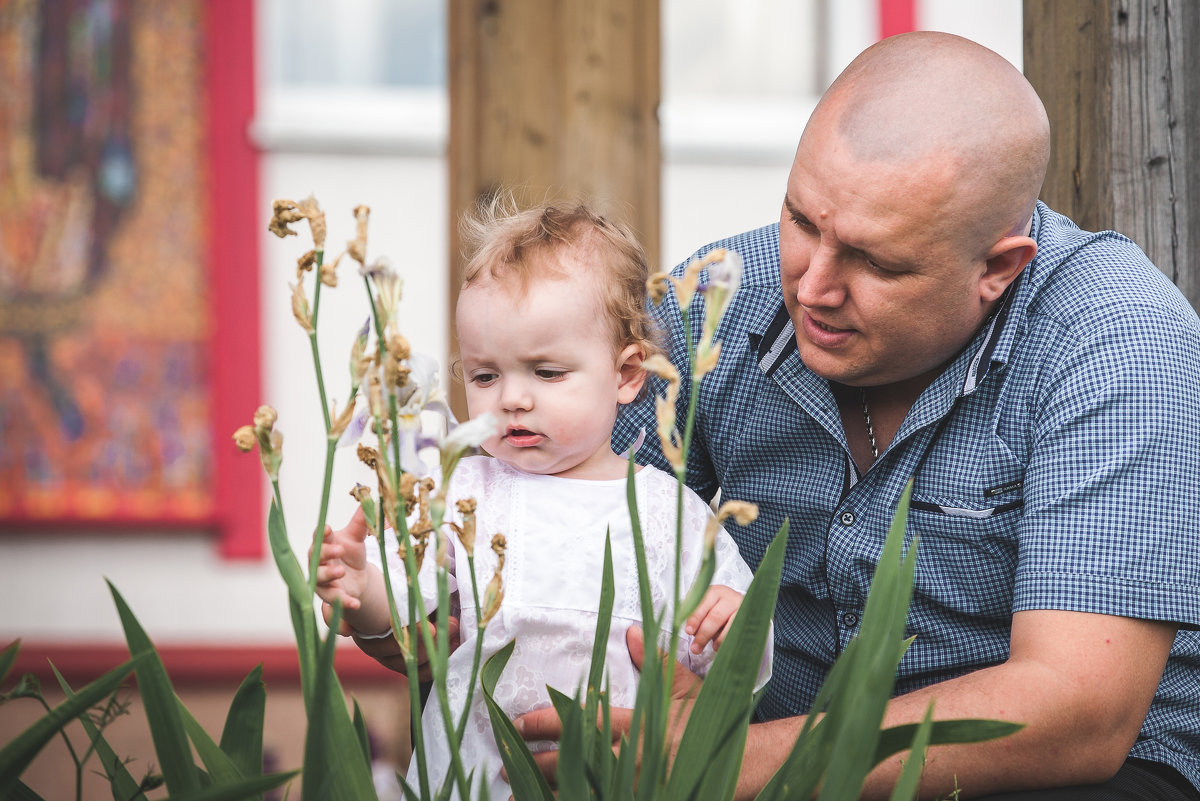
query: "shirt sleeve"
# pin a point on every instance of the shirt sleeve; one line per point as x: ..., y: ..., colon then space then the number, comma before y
x: 1111, y: 523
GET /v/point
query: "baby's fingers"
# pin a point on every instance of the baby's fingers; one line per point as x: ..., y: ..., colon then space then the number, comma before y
x: 710, y: 627
x: 702, y: 611
x: 329, y: 572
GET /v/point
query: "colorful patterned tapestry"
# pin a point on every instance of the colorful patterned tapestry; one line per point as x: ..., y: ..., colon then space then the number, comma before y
x: 105, y: 311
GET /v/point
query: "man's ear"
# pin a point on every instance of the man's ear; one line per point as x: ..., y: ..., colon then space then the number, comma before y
x: 633, y: 375
x: 1003, y: 263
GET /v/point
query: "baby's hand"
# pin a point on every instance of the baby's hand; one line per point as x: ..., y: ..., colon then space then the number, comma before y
x: 342, y: 573
x: 712, y: 617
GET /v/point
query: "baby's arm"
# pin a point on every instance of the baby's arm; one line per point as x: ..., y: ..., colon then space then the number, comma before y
x: 712, y: 617
x: 345, y: 575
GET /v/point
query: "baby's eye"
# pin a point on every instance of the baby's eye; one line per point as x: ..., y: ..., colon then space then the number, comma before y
x: 547, y: 374
x: 484, y: 379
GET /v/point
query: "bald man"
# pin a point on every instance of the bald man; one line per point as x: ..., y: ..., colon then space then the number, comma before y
x: 917, y: 312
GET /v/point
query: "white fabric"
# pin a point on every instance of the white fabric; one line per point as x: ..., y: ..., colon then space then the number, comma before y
x: 555, y: 530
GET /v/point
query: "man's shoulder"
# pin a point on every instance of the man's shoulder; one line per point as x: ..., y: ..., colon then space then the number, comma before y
x: 1082, y: 278
x: 759, y: 249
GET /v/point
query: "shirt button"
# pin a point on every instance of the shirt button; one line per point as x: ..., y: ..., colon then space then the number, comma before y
x: 847, y: 518
x: 849, y: 619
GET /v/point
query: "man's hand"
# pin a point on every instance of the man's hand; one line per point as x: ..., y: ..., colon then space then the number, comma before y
x: 544, y: 724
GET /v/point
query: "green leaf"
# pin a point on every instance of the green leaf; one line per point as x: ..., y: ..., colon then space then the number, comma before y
x: 639, y: 546
x: 334, y: 766
x: 711, y: 749
x: 162, y: 711
x: 242, y: 736
x: 8, y: 657
x: 17, y: 754
x: 220, y: 767
x: 21, y: 792
x: 360, y: 729
x: 249, y: 787
x: 124, y: 786
x: 573, y: 754
x: 855, y: 716
x: 944, y: 732
x: 285, y: 559
x: 524, y: 776
x: 910, y: 776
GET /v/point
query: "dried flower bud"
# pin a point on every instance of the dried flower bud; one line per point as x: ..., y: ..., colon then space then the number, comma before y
x: 300, y: 308
x: 368, y: 456
x: 707, y: 356
x: 685, y: 287
x: 396, y: 373
x: 341, y: 421
x: 265, y: 417
x: 357, y: 247
x: 305, y: 263
x: 244, y: 439
x: 408, y: 489
x: 657, y: 286
x: 743, y: 512
x: 466, y: 534
x: 283, y: 213
x: 316, y: 220
x: 398, y: 347
x: 375, y: 397
x: 493, y: 596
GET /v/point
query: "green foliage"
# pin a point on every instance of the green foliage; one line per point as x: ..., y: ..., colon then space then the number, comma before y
x: 840, y: 743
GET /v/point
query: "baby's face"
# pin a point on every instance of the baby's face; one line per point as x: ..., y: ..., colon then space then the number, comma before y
x: 544, y: 365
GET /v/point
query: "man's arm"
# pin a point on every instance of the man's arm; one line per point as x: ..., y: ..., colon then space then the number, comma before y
x: 1081, y: 683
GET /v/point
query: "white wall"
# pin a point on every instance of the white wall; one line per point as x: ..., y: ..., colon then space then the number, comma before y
x: 724, y: 171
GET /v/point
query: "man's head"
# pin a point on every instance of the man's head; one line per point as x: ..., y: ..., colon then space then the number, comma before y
x: 908, y: 207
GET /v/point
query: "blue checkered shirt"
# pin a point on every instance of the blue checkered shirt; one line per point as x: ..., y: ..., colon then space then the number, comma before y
x: 1057, y: 464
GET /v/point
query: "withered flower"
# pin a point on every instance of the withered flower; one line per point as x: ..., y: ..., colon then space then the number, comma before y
x: 265, y: 417
x: 368, y: 455
x: 466, y: 534
x: 657, y: 286
x: 493, y: 596
x: 305, y: 263
x: 342, y: 420
x: 664, y: 409
x: 244, y: 439
x: 743, y: 512
x: 357, y: 247
x: 685, y: 287
x: 316, y: 220
x: 300, y: 308
x: 398, y: 346
x: 283, y: 213
x: 270, y: 442
x: 329, y: 271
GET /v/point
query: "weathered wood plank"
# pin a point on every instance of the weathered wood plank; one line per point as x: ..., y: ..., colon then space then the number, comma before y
x: 556, y: 98
x: 1119, y: 81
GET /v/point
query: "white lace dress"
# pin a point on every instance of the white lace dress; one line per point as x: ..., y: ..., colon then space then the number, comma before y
x: 555, y: 531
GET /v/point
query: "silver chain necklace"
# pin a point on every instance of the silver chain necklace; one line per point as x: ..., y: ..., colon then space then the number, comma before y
x: 870, y: 428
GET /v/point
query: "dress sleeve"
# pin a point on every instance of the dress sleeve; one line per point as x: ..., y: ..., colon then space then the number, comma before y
x: 731, y: 571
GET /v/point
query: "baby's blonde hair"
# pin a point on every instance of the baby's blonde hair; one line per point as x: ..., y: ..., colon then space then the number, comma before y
x: 506, y: 244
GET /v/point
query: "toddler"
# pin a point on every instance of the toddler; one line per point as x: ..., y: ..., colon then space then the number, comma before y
x: 553, y: 329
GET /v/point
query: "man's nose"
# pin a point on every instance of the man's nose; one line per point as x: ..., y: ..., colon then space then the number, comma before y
x: 822, y: 284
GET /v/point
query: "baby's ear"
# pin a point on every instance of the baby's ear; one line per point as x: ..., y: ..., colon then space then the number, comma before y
x: 633, y: 375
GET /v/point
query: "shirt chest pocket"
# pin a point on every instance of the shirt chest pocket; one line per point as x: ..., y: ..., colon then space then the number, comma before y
x: 966, y: 557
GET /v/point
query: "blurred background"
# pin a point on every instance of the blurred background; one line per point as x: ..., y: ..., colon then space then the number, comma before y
x: 145, y: 311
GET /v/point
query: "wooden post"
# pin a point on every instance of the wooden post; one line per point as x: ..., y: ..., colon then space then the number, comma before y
x: 1119, y: 81
x: 554, y: 98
